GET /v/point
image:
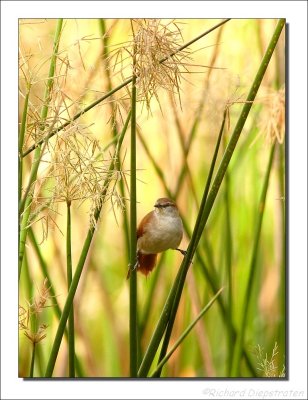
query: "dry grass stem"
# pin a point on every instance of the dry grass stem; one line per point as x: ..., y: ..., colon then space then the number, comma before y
x: 268, y: 366
x: 272, y: 124
x: 155, y: 40
x: 29, y: 316
x: 272, y: 121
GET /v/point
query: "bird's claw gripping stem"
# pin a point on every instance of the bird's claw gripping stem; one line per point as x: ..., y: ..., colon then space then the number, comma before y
x: 131, y: 269
x: 184, y: 252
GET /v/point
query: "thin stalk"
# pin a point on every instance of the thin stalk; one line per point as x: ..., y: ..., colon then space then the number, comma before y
x: 45, y: 273
x: 280, y: 78
x: 133, y: 316
x: 206, y: 208
x: 23, y: 203
x: 21, y: 141
x: 126, y: 228
x: 282, y: 289
x: 179, y: 291
x: 210, y: 275
x: 39, y: 360
x: 195, y: 39
x: 238, y: 350
x: 37, y: 155
x: 208, y: 251
x: 71, y: 327
x: 185, y: 165
x: 26, y: 212
x: 23, y: 122
x: 242, y: 119
x: 184, y: 334
x: 125, y: 83
x: 80, y: 265
x: 34, y: 323
x: 211, y: 278
x: 26, y: 279
x: 32, y: 360
x: 157, y: 168
x: 213, y: 282
x: 194, y: 128
x: 146, y: 309
x: 55, y: 304
x: 211, y: 171
x: 167, y: 337
x: 228, y: 246
x: 105, y: 56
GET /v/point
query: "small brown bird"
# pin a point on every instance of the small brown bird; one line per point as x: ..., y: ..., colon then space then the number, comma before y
x: 159, y: 230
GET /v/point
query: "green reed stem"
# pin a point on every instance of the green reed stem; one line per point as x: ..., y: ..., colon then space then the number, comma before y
x: 133, y: 316
x: 238, y: 350
x: 37, y: 155
x: 228, y: 244
x: 242, y: 119
x: 178, y: 292
x: 71, y: 327
x: 115, y: 133
x: 212, y: 280
x: 21, y: 141
x: 282, y: 288
x: 24, y: 201
x: 32, y: 360
x: 206, y: 207
x: 281, y: 334
x: 195, y: 125
x: 26, y: 278
x: 82, y: 259
x: 39, y: 360
x: 126, y: 228
x: 55, y: 304
x: 146, y: 309
x: 184, y: 335
x: 209, y: 275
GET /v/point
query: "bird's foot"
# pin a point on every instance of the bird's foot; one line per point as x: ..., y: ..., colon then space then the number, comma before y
x: 184, y: 252
x: 131, y: 269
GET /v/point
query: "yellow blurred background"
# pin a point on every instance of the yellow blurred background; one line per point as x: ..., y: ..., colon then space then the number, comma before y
x: 102, y: 298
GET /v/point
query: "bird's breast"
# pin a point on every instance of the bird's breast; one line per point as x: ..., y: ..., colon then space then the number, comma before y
x: 163, y: 233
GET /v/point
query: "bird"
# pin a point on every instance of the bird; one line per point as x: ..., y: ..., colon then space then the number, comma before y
x: 160, y: 230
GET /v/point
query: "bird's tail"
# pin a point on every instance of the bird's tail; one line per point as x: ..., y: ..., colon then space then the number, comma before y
x: 145, y: 263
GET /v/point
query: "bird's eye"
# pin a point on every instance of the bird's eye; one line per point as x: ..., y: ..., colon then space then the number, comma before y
x: 163, y: 205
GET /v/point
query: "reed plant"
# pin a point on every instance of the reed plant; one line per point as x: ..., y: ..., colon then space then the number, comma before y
x: 192, y: 140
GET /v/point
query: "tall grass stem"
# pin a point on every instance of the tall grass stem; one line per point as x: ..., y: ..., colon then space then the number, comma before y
x: 71, y: 328
x: 37, y: 155
x: 228, y: 243
x: 80, y: 265
x: 238, y: 350
x: 32, y: 360
x: 184, y: 335
x: 133, y: 312
x: 53, y: 297
x: 21, y: 142
x: 115, y: 130
x: 205, y: 211
x: 179, y: 291
x: 210, y: 276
